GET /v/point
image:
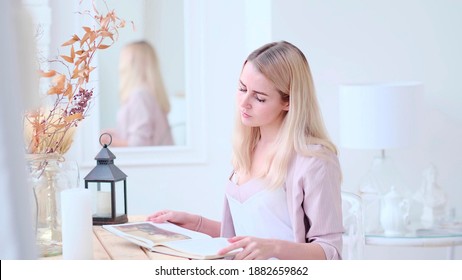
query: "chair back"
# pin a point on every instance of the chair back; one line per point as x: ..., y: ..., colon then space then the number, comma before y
x: 353, y: 235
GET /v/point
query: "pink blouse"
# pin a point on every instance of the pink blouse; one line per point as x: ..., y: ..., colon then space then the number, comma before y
x: 314, y: 200
x: 141, y: 121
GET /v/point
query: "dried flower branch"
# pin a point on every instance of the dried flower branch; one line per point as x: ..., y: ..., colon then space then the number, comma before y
x: 50, y: 130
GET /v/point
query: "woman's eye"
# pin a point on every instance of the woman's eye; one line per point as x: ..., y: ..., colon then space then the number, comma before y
x: 259, y: 99
x: 242, y: 89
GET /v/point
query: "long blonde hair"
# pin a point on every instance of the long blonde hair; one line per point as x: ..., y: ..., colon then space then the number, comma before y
x: 286, y: 66
x: 139, y: 66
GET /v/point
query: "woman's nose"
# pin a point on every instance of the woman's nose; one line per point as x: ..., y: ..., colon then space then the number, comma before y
x: 244, y: 101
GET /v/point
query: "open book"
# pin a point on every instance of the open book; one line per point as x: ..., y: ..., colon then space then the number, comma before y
x: 171, y: 239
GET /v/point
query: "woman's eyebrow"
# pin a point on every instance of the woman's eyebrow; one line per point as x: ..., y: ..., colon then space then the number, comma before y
x: 257, y: 92
x: 261, y: 93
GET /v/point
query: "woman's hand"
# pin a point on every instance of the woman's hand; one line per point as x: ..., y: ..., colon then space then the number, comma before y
x: 181, y: 219
x: 252, y: 248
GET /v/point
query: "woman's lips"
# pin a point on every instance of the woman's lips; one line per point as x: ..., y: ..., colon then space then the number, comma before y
x: 245, y: 115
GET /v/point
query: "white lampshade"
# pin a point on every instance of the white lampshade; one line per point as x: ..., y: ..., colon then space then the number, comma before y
x: 379, y: 116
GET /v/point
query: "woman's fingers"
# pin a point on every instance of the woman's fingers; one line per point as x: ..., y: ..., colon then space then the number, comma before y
x: 252, y: 248
x: 236, y: 238
x: 234, y: 244
x: 160, y: 217
x: 178, y: 218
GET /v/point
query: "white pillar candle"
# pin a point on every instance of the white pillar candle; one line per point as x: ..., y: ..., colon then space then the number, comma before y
x: 77, y: 224
x: 103, y: 204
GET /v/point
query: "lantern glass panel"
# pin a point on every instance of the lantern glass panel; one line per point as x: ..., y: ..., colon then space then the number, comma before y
x: 120, y: 198
x: 101, y: 194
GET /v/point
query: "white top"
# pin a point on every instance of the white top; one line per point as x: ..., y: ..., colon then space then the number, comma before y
x: 259, y: 212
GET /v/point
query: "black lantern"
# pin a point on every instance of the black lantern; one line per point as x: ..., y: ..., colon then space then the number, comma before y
x: 109, y: 188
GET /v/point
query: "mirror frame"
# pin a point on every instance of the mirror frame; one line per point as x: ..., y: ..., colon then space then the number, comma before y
x: 193, y: 151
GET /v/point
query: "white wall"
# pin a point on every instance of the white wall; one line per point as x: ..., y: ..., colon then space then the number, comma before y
x: 345, y: 41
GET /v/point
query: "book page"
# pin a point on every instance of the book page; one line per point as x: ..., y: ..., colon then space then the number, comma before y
x: 195, y: 248
x: 148, y: 234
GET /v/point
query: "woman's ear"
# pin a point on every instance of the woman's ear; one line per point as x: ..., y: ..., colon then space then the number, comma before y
x: 286, y: 106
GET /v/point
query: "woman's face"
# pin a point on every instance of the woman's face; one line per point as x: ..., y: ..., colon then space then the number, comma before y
x: 258, y: 100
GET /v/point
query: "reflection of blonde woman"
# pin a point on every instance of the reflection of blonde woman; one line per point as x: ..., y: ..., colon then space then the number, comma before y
x: 142, y: 117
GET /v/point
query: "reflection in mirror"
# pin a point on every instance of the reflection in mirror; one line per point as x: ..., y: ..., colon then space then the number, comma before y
x: 161, y: 24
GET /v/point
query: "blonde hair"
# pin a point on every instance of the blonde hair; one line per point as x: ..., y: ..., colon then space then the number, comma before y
x: 286, y: 66
x: 139, y: 66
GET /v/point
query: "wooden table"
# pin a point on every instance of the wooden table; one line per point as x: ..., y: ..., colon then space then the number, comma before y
x: 108, y: 246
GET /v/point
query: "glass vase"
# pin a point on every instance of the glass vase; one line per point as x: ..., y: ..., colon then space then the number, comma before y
x: 50, y: 174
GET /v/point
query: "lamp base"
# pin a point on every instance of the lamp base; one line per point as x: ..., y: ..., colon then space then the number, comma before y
x: 378, y: 181
x: 99, y: 221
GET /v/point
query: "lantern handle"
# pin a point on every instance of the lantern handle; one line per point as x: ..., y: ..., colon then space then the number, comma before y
x: 110, y: 141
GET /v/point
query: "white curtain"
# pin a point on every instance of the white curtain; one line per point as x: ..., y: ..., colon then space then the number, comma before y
x: 16, y: 76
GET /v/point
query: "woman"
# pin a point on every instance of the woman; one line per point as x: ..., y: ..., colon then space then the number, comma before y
x: 283, y: 198
x: 142, y: 117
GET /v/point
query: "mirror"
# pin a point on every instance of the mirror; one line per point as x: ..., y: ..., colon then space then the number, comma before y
x: 161, y: 24
x: 187, y: 85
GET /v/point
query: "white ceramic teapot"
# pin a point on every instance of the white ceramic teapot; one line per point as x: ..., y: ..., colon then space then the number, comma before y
x: 394, y: 213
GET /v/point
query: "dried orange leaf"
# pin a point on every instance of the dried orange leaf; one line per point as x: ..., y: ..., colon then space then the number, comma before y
x: 92, y: 37
x: 81, y: 59
x: 84, y: 38
x: 105, y: 22
x: 55, y: 90
x: 106, y: 34
x: 72, y: 53
x: 86, y: 28
x: 68, y: 58
x: 68, y: 92
x: 48, y: 74
x: 70, y: 42
x: 103, y: 46
x: 75, y: 73
x: 76, y: 116
x: 59, y: 80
